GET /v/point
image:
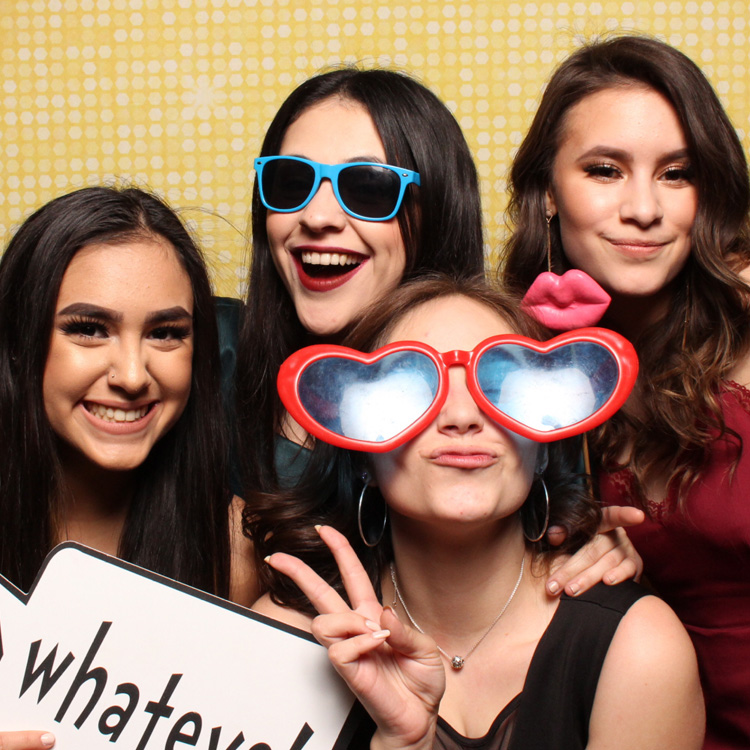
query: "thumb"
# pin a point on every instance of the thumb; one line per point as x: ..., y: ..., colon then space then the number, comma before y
x: 407, y: 640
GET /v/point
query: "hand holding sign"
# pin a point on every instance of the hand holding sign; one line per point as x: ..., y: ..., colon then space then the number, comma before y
x: 395, y: 671
x: 26, y: 740
x: 101, y: 651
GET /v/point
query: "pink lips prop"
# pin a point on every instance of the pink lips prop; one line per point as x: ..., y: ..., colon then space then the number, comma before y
x: 562, y: 303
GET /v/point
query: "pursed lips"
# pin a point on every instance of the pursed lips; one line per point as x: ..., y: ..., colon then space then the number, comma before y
x: 463, y: 457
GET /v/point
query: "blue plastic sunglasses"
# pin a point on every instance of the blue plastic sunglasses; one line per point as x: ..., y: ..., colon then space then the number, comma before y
x: 365, y: 190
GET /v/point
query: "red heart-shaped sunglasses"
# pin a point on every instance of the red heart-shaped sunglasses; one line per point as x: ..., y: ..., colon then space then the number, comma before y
x: 376, y: 402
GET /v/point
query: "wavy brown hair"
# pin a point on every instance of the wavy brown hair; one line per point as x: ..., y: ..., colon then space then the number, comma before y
x: 284, y: 521
x: 686, y: 356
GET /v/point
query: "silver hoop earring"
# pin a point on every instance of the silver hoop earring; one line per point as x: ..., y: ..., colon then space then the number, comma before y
x: 369, y: 543
x: 546, y: 517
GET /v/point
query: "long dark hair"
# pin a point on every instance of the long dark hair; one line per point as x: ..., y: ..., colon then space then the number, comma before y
x: 284, y: 521
x: 440, y: 223
x: 685, y: 356
x: 177, y: 523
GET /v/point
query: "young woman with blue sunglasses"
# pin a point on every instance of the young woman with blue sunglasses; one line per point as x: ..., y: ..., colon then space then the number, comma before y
x: 445, y: 629
x: 351, y: 197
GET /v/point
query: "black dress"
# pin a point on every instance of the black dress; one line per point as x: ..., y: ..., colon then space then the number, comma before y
x: 554, y: 708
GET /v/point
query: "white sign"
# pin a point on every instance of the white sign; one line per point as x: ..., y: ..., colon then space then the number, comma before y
x: 107, y: 655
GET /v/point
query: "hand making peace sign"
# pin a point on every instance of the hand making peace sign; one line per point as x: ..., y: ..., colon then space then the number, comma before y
x: 395, y: 671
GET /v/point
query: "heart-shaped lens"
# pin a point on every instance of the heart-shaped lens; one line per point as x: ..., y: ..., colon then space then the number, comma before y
x: 370, y: 402
x: 548, y: 390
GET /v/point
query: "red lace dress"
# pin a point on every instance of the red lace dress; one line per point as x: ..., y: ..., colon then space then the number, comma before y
x: 699, y: 562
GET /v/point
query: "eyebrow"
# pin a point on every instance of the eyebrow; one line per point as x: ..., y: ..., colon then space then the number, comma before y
x: 621, y: 155
x: 352, y: 160
x: 91, y: 311
x: 168, y: 315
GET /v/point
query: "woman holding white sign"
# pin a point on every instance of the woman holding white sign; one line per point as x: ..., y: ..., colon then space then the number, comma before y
x: 109, y: 397
x: 457, y: 550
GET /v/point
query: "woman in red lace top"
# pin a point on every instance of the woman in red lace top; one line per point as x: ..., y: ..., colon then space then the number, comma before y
x: 635, y: 168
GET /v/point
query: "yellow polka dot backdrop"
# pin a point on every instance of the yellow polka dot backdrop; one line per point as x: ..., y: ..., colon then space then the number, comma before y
x: 175, y: 95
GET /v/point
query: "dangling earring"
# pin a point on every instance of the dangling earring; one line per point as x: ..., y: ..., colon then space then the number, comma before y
x: 368, y: 543
x: 549, y: 217
x: 546, y: 516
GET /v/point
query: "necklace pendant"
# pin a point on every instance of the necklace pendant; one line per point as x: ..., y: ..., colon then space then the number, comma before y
x: 457, y: 662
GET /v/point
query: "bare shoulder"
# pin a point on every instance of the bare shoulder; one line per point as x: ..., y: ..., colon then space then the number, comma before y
x: 266, y: 606
x: 740, y: 372
x: 244, y: 587
x: 649, y: 693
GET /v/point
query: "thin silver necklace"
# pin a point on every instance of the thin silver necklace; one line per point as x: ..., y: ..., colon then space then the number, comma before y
x: 457, y: 662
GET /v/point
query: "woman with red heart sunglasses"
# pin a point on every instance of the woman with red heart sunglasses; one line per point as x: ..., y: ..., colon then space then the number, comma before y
x: 449, y: 637
x: 644, y: 182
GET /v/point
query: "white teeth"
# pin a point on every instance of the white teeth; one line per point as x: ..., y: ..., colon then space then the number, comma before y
x: 108, y: 414
x: 315, y: 258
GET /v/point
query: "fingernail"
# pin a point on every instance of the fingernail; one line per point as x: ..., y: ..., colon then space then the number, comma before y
x: 267, y: 558
x: 611, y: 580
x: 372, y: 625
x: 381, y: 635
x: 553, y: 587
x: 574, y: 589
x: 318, y: 527
x: 47, y: 739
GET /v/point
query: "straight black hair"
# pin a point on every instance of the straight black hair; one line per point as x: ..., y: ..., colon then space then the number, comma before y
x: 440, y: 222
x: 177, y: 523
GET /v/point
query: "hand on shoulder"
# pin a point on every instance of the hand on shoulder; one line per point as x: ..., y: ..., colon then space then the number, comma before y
x: 650, y: 674
x: 609, y: 556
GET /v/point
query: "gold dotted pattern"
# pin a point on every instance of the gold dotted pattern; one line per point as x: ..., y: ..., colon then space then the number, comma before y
x: 175, y: 95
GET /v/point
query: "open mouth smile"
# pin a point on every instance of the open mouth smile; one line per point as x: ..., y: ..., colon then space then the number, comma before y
x: 325, y: 270
x: 116, y: 416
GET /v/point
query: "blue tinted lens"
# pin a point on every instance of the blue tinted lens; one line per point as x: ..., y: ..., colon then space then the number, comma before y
x: 369, y: 402
x: 548, y: 391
